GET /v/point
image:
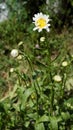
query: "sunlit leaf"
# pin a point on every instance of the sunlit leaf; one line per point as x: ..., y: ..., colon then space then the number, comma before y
x: 44, y: 118
x: 25, y: 96
x: 39, y: 126
x: 54, y: 123
x: 65, y: 115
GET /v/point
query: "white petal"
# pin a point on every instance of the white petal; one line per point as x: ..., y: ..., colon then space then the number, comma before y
x: 48, y: 25
x: 48, y: 30
x: 39, y: 30
x: 35, y: 28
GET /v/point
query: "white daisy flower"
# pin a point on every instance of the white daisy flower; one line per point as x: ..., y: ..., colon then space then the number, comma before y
x: 14, y: 53
x: 41, y: 22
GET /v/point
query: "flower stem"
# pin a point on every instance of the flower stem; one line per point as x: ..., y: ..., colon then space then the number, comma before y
x: 50, y: 78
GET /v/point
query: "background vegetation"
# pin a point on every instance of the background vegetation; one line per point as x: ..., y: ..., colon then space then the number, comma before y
x: 30, y: 99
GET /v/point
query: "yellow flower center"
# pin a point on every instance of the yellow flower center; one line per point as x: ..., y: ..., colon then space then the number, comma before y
x: 41, y: 23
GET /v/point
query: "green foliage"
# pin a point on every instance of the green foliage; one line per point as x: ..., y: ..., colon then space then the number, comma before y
x: 17, y: 10
x: 35, y: 99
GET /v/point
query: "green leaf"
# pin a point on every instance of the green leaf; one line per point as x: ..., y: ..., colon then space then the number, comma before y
x: 39, y: 126
x: 69, y: 84
x: 27, y: 93
x: 44, y: 118
x: 32, y: 116
x: 13, y: 92
x: 54, y: 123
x: 25, y: 96
x: 70, y: 101
x: 71, y: 127
x: 65, y: 115
x: 27, y: 123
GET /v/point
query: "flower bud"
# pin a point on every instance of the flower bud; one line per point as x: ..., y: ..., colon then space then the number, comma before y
x: 64, y: 63
x: 57, y: 78
x: 11, y: 70
x: 14, y: 53
x: 42, y: 39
